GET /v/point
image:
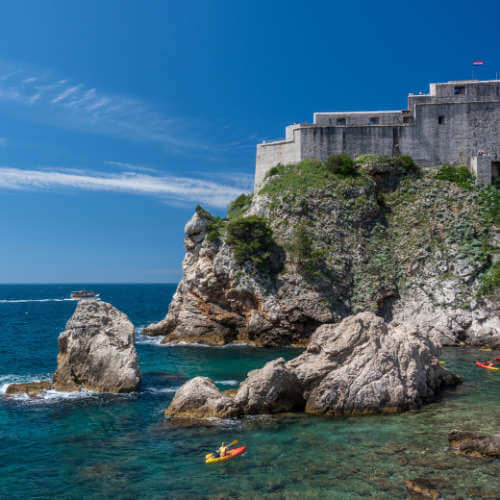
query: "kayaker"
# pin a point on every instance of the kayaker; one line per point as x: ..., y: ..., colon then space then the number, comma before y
x: 221, y: 452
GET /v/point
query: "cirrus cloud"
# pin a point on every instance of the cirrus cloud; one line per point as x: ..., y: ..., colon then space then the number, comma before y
x: 171, y: 189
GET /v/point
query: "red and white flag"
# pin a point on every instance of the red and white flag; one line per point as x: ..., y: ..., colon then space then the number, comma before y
x: 477, y: 63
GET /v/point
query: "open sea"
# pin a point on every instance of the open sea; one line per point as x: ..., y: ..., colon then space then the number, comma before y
x: 89, y: 445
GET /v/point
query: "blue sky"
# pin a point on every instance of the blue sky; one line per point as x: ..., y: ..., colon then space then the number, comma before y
x: 119, y: 117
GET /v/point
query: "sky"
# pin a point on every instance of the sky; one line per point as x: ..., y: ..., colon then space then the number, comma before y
x: 119, y: 117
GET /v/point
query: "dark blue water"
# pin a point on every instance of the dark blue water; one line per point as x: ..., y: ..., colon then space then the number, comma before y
x: 121, y: 446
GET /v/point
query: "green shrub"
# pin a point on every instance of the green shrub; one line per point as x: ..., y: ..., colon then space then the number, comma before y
x: 252, y: 241
x: 238, y: 206
x: 490, y: 281
x: 275, y: 170
x: 458, y: 175
x: 310, y: 262
x: 406, y: 163
x: 342, y: 165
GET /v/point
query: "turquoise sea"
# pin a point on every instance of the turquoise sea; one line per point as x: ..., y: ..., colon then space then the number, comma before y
x: 121, y: 446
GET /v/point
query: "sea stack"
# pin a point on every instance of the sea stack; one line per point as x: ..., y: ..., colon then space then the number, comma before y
x: 96, y: 351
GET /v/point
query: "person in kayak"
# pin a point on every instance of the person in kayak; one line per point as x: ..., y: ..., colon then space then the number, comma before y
x: 221, y: 452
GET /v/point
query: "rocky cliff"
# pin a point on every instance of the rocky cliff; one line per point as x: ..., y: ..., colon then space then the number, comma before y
x: 322, y: 241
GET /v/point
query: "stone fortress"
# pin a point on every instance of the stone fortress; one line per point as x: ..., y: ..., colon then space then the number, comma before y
x: 457, y: 122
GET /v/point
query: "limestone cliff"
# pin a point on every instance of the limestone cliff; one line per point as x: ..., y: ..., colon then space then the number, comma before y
x: 322, y: 241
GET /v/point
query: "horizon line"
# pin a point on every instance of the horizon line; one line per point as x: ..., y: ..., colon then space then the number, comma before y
x: 91, y: 283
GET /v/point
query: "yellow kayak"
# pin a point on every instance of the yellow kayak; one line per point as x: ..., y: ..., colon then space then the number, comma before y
x: 229, y: 455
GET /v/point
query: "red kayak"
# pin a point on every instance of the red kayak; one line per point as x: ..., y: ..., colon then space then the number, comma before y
x: 230, y: 454
x: 497, y: 359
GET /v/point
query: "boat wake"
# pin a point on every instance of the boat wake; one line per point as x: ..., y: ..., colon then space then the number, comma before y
x: 16, y: 301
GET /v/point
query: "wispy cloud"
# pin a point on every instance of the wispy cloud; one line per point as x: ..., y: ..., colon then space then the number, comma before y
x: 77, y: 106
x: 66, y: 93
x: 132, y: 166
x: 171, y: 189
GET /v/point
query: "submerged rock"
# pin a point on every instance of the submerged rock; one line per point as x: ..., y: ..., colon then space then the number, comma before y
x: 361, y: 365
x: 475, y: 444
x: 423, y: 487
x: 30, y: 388
x: 200, y: 398
x: 96, y: 351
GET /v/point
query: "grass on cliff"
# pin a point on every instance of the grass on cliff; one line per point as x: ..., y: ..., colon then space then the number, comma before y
x: 311, y: 174
x: 339, y: 171
x: 458, y: 175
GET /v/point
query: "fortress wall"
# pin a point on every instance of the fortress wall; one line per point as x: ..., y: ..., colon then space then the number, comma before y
x: 467, y: 129
x: 271, y: 153
x: 321, y: 142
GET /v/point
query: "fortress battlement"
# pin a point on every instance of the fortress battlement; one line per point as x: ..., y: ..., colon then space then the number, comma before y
x: 457, y: 122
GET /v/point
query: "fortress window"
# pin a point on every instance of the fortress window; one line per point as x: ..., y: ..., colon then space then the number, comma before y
x: 374, y: 120
x: 341, y: 122
x: 441, y: 120
x: 459, y: 90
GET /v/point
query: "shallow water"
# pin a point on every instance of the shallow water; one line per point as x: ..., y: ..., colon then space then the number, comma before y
x: 101, y: 446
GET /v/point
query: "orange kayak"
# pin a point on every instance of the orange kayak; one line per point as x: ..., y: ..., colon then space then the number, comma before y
x: 230, y: 454
x: 487, y: 366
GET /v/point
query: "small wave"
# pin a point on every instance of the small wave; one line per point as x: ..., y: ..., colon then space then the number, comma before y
x: 51, y: 395
x: 8, y: 379
x: 231, y: 422
x: 226, y: 382
x: 146, y: 339
x: 183, y: 343
x: 157, y: 340
x: 163, y: 390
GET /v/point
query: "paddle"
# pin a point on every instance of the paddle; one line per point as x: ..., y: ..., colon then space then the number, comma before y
x: 210, y: 455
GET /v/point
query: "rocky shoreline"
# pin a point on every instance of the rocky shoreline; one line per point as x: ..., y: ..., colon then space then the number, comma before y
x: 359, y: 366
